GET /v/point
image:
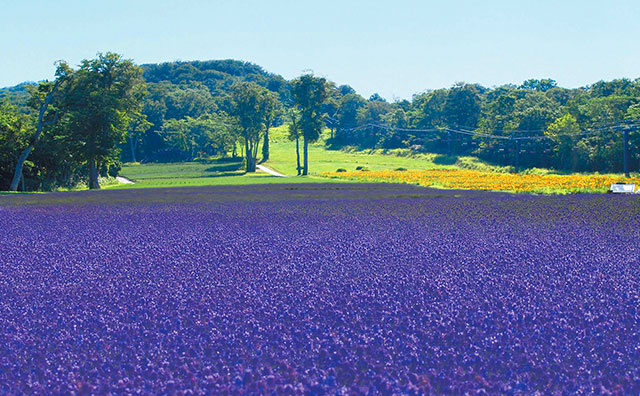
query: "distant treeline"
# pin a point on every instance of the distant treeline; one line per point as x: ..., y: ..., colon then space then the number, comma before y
x: 188, y: 111
x: 182, y: 93
x: 552, y: 127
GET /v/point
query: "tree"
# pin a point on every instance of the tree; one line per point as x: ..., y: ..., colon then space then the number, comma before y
x: 14, y: 135
x: 462, y: 106
x: 271, y: 109
x: 430, y: 108
x: 309, y: 93
x: 633, y: 116
x: 102, y: 99
x: 248, y: 107
x: 393, y: 138
x: 137, y: 127
x: 347, y: 115
x: 42, y: 97
x: 562, y: 131
x: 539, y: 85
x: 372, y: 114
x: 376, y: 98
x: 207, y: 135
x: 294, y: 134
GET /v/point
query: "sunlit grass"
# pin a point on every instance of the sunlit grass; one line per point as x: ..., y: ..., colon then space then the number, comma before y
x: 397, y: 166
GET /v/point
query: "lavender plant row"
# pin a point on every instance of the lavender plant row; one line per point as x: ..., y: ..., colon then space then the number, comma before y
x: 320, y: 289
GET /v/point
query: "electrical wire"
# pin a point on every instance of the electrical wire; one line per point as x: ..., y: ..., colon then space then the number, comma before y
x: 476, y: 133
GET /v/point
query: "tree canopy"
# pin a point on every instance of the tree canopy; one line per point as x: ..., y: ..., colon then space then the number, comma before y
x: 104, y: 96
x: 310, y: 94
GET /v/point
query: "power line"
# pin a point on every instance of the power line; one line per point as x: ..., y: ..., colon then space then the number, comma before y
x: 493, y: 135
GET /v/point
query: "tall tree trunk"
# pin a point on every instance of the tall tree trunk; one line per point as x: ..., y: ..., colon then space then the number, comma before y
x: 305, y: 148
x: 133, y: 143
x: 23, y: 157
x: 22, y: 178
x: 93, y: 175
x: 255, y: 153
x: 298, y: 155
x: 17, y: 175
x: 247, y: 156
x: 265, y: 145
x: 248, y: 150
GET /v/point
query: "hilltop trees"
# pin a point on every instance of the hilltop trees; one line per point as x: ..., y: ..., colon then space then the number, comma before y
x: 309, y: 93
x: 178, y: 90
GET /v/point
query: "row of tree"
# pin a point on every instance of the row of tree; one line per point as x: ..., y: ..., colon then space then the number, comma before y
x: 535, y: 124
x: 545, y: 125
x: 76, y: 127
x: 82, y: 124
x: 79, y: 121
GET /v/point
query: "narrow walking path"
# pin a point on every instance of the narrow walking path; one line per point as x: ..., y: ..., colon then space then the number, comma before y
x: 124, y: 180
x: 270, y: 171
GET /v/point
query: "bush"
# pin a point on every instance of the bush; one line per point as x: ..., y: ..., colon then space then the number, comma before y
x: 341, y: 170
x: 361, y: 168
x: 401, y: 169
x: 114, y: 169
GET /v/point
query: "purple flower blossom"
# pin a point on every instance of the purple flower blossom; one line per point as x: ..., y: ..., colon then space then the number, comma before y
x: 319, y: 289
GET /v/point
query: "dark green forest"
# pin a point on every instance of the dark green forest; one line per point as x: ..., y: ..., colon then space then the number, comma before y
x: 183, y: 111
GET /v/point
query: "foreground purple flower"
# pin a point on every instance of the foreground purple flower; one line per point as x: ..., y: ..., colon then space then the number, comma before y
x: 319, y: 289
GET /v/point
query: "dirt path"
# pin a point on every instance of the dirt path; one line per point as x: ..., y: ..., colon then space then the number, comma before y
x: 124, y: 180
x: 270, y: 171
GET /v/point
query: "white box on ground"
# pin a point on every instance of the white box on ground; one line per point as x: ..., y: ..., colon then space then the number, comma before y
x: 623, y: 188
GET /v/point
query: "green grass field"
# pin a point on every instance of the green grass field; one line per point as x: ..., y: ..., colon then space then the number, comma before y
x: 139, y: 172
x: 209, y: 173
x: 282, y: 159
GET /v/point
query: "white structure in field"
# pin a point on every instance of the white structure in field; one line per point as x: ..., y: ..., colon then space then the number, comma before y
x: 623, y: 188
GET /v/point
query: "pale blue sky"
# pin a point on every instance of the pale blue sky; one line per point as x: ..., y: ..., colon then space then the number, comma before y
x: 395, y: 48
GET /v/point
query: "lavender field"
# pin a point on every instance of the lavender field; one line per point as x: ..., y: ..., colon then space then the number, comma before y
x: 319, y: 289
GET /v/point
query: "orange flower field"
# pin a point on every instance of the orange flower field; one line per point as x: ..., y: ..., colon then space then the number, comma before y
x: 479, y: 180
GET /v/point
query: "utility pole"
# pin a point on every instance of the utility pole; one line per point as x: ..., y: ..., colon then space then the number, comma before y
x: 625, y: 139
x: 517, y: 155
x: 516, y: 144
x: 626, y: 127
x: 449, y: 142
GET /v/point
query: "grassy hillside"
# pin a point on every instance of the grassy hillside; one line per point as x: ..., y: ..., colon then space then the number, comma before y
x: 282, y: 159
x: 321, y: 160
x: 382, y: 166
